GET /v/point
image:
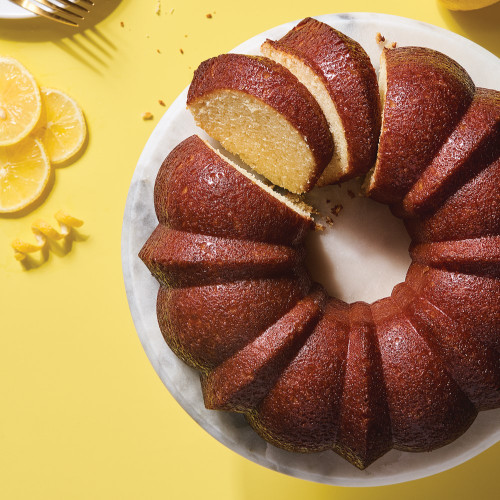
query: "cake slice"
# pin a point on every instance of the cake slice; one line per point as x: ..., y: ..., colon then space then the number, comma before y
x: 258, y: 110
x: 472, y: 211
x: 180, y: 259
x: 338, y: 73
x: 427, y: 408
x: 198, y: 190
x: 191, y: 322
x: 424, y: 94
x: 365, y: 429
x: 243, y: 380
x: 473, y: 145
x: 302, y: 410
x: 474, y: 366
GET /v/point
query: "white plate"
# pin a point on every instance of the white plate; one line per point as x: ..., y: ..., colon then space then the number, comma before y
x: 382, y: 268
x: 9, y: 10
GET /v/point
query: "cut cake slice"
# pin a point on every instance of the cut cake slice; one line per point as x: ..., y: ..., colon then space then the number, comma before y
x: 258, y: 110
x: 339, y: 74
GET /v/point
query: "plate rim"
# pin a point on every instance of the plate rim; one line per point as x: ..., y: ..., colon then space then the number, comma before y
x: 10, y: 10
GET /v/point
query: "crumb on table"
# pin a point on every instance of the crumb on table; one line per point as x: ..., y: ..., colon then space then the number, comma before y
x: 147, y: 116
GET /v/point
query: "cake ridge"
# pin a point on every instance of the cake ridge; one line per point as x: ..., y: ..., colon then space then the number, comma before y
x: 432, y: 90
x: 473, y: 211
x: 472, y: 365
x: 243, y: 380
x: 470, y: 148
x: 418, y: 423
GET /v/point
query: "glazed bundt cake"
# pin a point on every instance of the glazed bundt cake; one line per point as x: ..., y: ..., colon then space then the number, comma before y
x: 309, y: 371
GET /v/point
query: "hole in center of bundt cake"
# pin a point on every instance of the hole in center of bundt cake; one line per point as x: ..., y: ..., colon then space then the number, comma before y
x: 363, y: 251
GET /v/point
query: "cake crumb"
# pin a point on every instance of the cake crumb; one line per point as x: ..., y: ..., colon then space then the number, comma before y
x: 158, y: 8
x: 122, y: 24
x: 158, y: 50
x: 351, y: 194
x: 161, y: 102
x: 328, y: 201
x: 379, y: 38
x: 209, y: 16
x: 171, y: 11
x: 329, y: 221
x: 337, y: 209
x: 181, y: 51
x: 394, y: 45
x: 147, y: 116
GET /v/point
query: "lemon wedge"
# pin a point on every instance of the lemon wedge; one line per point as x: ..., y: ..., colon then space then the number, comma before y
x: 62, y: 126
x: 24, y: 173
x: 20, y: 102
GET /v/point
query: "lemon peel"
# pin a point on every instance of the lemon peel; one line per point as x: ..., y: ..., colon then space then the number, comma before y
x: 44, y: 232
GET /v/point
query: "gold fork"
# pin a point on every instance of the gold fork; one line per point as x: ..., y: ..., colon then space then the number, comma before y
x: 68, y: 12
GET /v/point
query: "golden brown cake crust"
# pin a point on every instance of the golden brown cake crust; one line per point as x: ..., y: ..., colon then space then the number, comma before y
x: 427, y: 408
x: 474, y: 366
x: 197, y: 191
x: 427, y: 95
x: 473, y: 145
x: 302, y: 411
x: 472, y: 211
x: 471, y: 301
x: 347, y: 73
x: 192, y: 325
x: 479, y: 256
x: 179, y: 259
x: 274, y: 85
x: 241, y: 382
x: 365, y: 429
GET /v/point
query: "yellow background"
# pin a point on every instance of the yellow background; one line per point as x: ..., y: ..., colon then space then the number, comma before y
x: 83, y: 415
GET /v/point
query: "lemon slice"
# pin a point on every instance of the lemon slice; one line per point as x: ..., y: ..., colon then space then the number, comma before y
x: 62, y: 126
x: 20, y: 102
x: 24, y: 173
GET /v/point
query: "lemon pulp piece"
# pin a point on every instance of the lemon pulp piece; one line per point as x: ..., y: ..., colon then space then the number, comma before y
x: 24, y: 172
x: 20, y: 102
x: 467, y: 4
x: 62, y: 126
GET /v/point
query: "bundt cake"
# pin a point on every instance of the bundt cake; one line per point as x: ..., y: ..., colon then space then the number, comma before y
x: 309, y: 371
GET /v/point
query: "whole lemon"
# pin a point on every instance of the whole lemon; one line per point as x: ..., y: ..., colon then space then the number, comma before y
x: 467, y: 4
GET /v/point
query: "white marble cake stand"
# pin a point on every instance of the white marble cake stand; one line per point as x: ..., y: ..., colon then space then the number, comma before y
x: 361, y: 257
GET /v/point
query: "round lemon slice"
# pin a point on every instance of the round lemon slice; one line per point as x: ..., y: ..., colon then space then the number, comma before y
x: 20, y: 102
x: 24, y: 173
x: 62, y: 126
